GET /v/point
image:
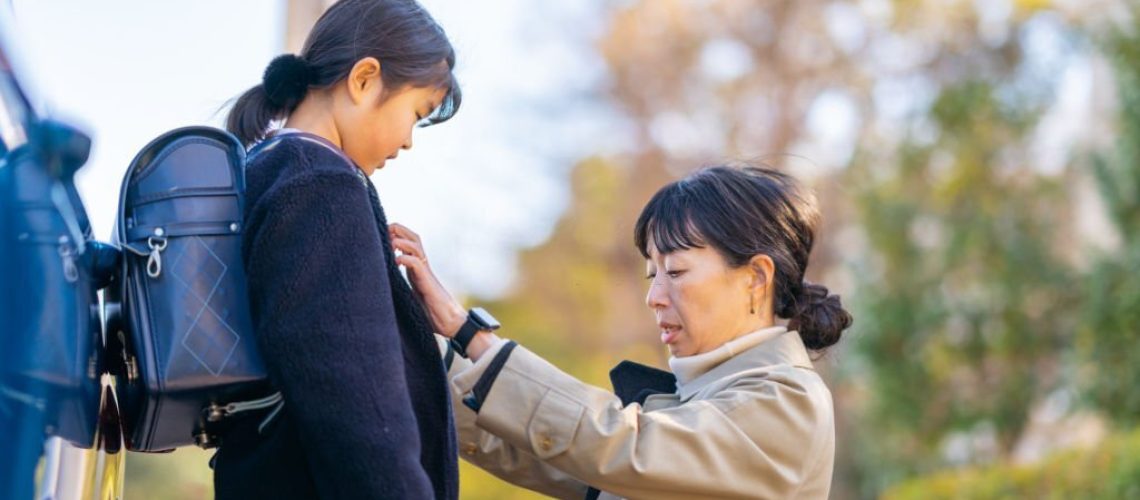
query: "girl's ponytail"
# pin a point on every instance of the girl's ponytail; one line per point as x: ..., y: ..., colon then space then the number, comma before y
x: 283, y: 86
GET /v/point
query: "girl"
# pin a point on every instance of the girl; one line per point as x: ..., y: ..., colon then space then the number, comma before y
x: 366, y: 409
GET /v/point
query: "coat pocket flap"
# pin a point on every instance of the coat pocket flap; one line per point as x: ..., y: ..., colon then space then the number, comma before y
x: 554, y: 424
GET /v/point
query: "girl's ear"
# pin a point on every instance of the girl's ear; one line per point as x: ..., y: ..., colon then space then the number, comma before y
x: 364, y: 80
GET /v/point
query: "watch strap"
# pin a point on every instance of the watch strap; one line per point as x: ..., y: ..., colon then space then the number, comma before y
x: 463, y: 338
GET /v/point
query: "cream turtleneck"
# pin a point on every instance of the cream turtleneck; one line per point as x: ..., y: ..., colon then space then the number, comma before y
x: 690, y: 367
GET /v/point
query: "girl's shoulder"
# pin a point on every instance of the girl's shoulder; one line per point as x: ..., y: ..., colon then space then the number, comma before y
x: 297, y: 162
x: 297, y: 154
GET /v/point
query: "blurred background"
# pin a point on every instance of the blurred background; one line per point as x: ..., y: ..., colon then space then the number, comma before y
x: 978, y: 163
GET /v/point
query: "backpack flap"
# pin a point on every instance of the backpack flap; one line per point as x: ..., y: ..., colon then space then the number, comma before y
x: 185, y: 321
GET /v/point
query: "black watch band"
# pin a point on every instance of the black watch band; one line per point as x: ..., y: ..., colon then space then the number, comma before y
x: 477, y: 320
x: 462, y: 339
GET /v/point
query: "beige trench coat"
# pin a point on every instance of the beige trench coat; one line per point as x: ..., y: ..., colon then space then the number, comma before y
x: 759, y: 425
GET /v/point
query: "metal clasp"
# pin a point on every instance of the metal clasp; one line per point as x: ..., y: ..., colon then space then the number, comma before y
x: 157, y: 244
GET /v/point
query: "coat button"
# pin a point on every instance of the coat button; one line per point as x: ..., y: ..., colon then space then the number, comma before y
x: 470, y: 448
x: 546, y: 443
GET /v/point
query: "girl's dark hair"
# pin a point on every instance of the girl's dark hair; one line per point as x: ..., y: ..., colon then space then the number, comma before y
x: 410, y: 45
x: 744, y: 212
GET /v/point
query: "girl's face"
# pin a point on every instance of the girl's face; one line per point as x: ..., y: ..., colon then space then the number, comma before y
x: 700, y: 302
x: 374, y: 124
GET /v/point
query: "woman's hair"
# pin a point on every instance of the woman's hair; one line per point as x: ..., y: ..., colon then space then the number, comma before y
x: 741, y: 213
x: 410, y: 45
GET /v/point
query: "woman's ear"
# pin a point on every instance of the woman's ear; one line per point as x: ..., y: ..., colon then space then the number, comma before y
x: 763, y: 271
x: 365, y: 80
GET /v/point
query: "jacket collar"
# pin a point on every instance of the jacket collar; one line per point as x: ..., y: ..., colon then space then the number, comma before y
x: 688, y: 368
x: 784, y: 349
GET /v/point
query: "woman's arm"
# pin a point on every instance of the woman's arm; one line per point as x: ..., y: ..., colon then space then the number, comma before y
x: 758, y: 439
x: 327, y: 330
x: 488, y: 452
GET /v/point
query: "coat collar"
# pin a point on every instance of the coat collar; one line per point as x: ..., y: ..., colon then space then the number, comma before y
x: 785, y: 349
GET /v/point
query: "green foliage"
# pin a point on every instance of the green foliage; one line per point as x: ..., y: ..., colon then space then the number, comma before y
x: 1110, y: 471
x: 962, y: 300
x: 1109, y: 341
x: 183, y: 474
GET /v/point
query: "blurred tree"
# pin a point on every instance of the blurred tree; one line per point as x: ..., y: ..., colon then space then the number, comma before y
x: 964, y: 305
x: 966, y: 310
x: 1109, y: 340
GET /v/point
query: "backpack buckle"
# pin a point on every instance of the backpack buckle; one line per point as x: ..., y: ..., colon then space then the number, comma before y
x: 157, y: 244
x: 215, y: 413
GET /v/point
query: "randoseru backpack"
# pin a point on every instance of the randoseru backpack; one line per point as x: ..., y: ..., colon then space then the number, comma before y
x: 51, y: 342
x: 180, y: 313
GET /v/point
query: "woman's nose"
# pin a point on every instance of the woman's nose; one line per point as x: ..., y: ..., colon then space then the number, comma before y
x: 656, y: 297
x: 407, y: 143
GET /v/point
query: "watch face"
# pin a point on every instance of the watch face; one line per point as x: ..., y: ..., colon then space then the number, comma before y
x: 484, y: 318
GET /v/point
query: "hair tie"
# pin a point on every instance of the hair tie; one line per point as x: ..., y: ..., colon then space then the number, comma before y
x: 287, y: 80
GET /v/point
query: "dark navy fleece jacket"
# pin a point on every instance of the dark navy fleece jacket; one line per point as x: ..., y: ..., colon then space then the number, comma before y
x: 322, y: 303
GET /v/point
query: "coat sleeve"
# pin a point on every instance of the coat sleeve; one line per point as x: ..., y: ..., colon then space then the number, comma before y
x: 751, y: 440
x: 510, y: 463
x: 326, y: 327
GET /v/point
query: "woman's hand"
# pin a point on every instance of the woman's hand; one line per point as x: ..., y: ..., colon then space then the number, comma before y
x: 444, y: 312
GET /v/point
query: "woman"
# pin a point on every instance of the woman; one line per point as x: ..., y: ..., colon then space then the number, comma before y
x: 343, y: 338
x: 748, y: 417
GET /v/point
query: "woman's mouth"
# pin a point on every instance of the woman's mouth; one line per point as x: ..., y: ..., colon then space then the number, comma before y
x: 669, y: 332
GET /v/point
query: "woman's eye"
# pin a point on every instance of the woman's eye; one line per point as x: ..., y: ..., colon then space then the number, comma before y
x: 673, y: 274
x: 650, y: 276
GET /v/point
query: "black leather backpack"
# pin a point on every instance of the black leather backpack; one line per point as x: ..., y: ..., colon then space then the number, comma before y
x: 180, y: 314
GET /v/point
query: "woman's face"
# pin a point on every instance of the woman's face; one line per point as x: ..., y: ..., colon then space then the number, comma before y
x: 698, y: 300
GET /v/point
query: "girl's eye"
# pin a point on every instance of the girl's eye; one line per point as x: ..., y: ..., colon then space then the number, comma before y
x: 650, y: 276
x: 673, y: 274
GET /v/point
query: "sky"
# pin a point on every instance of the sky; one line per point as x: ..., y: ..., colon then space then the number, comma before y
x: 477, y: 188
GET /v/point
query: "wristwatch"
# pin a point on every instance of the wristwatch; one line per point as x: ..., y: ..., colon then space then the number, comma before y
x: 478, y: 319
